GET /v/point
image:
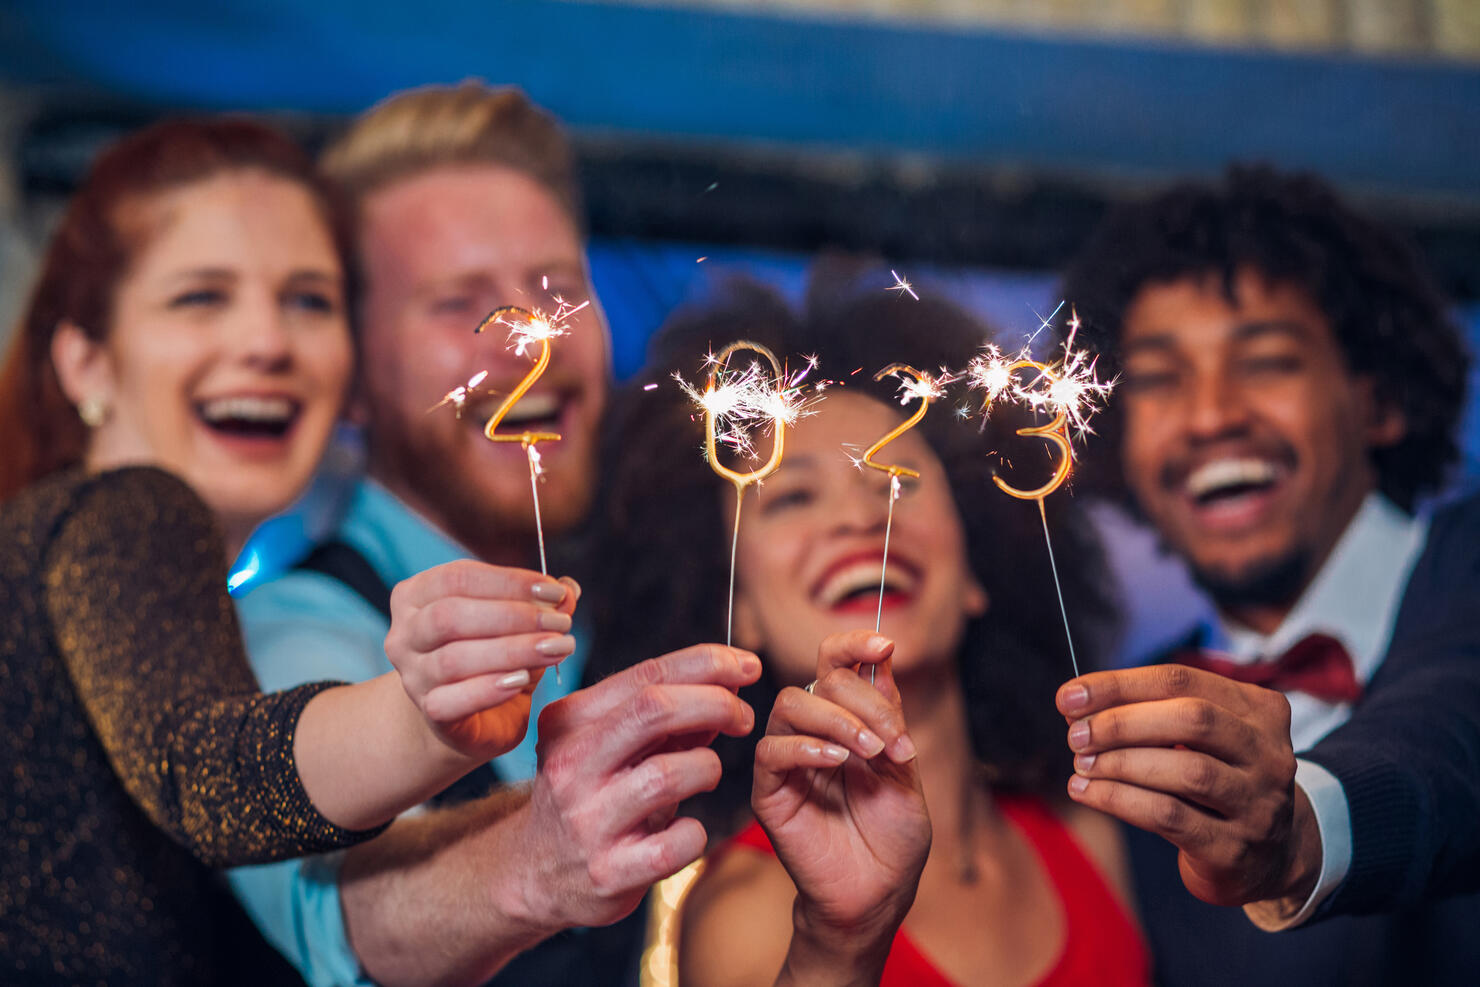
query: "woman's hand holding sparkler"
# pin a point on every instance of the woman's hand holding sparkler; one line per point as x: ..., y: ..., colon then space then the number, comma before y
x: 470, y: 642
x: 838, y: 792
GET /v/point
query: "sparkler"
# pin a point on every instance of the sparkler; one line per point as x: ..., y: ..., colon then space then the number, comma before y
x: 912, y: 384
x: 735, y: 403
x: 1072, y: 393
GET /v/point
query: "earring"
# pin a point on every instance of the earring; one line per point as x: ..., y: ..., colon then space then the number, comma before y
x: 93, y: 411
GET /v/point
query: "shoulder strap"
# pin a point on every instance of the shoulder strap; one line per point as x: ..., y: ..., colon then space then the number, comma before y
x: 341, y: 561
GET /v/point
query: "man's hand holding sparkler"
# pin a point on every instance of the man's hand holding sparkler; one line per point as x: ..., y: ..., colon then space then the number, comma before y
x: 616, y: 759
x: 1205, y: 762
x: 471, y: 641
x: 838, y: 792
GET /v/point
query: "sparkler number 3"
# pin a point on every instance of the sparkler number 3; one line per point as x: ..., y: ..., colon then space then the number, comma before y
x: 1056, y: 432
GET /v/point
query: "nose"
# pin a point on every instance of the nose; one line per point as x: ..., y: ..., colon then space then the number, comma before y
x: 1215, y: 408
x: 861, y: 507
x: 262, y: 336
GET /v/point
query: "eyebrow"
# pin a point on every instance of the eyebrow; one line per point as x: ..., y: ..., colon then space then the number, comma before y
x: 310, y: 274
x: 1167, y: 341
x: 1271, y: 327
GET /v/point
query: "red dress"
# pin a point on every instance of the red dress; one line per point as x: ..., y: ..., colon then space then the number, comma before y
x: 1101, y: 944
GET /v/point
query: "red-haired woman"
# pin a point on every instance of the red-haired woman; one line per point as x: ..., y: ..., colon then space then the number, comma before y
x: 190, y: 324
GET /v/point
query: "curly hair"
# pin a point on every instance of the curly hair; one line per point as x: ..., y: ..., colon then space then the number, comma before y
x: 1386, y: 312
x: 658, y: 544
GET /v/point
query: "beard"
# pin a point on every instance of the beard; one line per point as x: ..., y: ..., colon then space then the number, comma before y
x: 1274, y: 582
x: 490, y: 516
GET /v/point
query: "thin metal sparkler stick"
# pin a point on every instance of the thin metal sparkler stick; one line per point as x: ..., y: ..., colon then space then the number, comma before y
x: 734, y: 544
x: 534, y: 488
x: 539, y: 527
x: 1042, y: 513
x: 884, y: 570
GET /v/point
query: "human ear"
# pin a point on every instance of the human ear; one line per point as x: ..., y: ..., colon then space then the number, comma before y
x: 975, y: 599
x: 1386, y: 423
x: 83, y: 366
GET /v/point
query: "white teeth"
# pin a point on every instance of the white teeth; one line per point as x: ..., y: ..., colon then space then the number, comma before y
x: 533, y: 406
x: 861, y: 575
x: 269, y: 410
x: 1221, y: 474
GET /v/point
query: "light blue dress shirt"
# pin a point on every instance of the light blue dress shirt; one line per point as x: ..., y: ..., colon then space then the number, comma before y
x: 305, y: 626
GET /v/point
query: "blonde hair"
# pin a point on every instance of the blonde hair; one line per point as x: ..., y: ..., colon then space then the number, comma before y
x: 435, y: 126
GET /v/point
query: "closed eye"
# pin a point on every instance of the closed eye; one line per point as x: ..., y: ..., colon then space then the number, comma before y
x: 198, y: 297
x: 312, y: 301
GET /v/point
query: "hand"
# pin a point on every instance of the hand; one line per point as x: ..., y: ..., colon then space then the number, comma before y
x: 616, y: 759
x: 470, y: 641
x: 1203, y: 761
x: 838, y: 791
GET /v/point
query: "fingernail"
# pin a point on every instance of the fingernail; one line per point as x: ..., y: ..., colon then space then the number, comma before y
x: 1079, y: 735
x: 870, y: 742
x: 879, y: 644
x: 575, y: 586
x: 548, y: 592
x: 1077, y: 784
x: 552, y: 620
x: 1083, y: 762
x: 749, y: 663
x: 833, y: 753
x: 515, y: 680
x: 551, y: 646
x: 1075, y: 697
x: 904, y: 749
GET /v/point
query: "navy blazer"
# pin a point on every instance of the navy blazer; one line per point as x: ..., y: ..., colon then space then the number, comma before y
x: 1409, y: 762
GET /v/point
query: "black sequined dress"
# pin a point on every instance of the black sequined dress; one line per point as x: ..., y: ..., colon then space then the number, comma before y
x: 137, y: 753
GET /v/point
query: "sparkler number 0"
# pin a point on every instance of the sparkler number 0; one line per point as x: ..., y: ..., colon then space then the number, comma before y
x: 526, y: 438
x: 895, y: 470
x: 743, y: 480
x: 1056, y: 432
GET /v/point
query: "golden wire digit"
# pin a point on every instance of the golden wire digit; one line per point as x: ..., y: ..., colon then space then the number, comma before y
x: 490, y: 429
x: 742, y: 480
x: 898, y: 369
x: 1056, y: 431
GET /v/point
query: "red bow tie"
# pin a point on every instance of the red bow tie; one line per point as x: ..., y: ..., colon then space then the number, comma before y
x: 1317, y: 665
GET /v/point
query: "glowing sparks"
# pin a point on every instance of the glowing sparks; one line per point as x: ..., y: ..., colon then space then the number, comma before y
x: 529, y: 327
x: 752, y: 399
x: 1070, y: 387
x: 459, y: 395
x: 903, y: 286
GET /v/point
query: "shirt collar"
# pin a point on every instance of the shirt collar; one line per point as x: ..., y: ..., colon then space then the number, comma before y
x: 395, y: 539
x: 1355, y: 595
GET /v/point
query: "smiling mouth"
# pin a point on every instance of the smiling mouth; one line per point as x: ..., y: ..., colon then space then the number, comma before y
x: 249, y: 416
x: 1223, y: 481
x: 854, y: 582
x: 540, y: 412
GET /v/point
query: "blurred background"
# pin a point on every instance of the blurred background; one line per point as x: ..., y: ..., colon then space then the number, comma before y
x: 967, y: 144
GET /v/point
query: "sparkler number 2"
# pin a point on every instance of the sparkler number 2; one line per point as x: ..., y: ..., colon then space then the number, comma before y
x: 913, y: 384
x: 528, y: 439
x: 1056, y: 432
x: 498, y: 317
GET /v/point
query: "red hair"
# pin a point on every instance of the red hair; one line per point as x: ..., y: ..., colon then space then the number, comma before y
x: 90, y: 254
